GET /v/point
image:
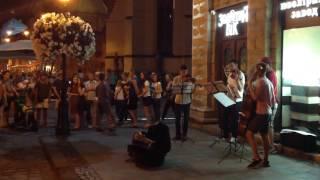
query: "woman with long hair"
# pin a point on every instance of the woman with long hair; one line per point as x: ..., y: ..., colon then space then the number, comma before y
x: 75, y: 92
x: 120, y: 98
x: 145, y: 94
x: 169, y: 96
x: 10, y: 95
x: 156, y: 92
x: 132, y: 105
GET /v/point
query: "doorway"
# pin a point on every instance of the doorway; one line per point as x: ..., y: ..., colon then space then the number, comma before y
x: 233, y: 49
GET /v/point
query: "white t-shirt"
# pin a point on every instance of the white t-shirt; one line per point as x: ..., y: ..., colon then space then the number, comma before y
x: 147, y: 89
x: 119, y: 94
x: 233, y: 85
x: 90, y: 88
x: 182, y: 90
x: 157, y: 90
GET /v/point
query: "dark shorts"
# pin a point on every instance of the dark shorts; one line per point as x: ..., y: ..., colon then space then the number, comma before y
x: 147, y: 101
x: 260, y: 123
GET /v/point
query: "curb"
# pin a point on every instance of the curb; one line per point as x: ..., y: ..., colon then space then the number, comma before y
x: 297, y: 154
x: 213, y: 130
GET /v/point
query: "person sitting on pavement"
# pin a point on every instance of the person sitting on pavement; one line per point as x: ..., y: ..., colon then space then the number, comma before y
x: 148, y: 149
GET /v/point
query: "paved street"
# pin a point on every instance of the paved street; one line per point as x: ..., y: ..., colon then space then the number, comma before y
x: 93, y: 155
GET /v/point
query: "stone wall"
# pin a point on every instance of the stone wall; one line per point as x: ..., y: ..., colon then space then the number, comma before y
x: 132, y: 33
x: 201, y: 109
x: 259, y: 31
x: 220, y: 4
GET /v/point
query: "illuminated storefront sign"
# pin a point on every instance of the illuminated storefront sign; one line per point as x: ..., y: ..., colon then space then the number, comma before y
x: 306, y: 11
x: 232, y: 19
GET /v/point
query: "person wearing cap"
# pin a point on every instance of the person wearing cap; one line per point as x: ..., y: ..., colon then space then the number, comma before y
x: 183, y: 88
x: 271, y: 75
x: 261, y: 90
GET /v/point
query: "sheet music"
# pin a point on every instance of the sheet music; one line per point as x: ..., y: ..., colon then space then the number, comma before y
x: 223, y: 99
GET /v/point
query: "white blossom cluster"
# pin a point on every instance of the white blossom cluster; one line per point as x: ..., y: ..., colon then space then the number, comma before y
x: 55, y: 34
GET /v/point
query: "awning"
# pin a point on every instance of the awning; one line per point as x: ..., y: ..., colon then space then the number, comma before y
x: 13, y: 25
x: 21, y: 49
x: 16, y: 46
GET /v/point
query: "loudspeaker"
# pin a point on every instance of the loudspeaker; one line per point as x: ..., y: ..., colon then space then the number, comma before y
x: 299, y: 140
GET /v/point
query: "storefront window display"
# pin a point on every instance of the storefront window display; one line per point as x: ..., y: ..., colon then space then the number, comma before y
x: 300, y: 66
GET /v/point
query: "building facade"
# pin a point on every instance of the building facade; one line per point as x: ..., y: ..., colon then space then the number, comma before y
x: 149, y: 35
x: 246, y: 31
x: 93, y: 11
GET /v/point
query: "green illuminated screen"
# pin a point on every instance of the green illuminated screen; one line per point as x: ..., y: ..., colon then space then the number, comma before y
x: 301, y: 56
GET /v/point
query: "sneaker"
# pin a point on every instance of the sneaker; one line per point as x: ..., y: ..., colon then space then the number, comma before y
x: 265, y: 164
x: 90, y: 126
x: 233, y: 140
x: 273, y: 150
x: 254, y: 163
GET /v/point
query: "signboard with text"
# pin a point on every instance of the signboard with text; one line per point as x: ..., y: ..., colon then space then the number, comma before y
x: 232, y: 19
x: 301, y: 8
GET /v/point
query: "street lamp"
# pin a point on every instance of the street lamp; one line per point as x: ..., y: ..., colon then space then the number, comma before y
x: 7, y: 40
x: 65, y: 1
x: 9, y: 32
x: 26, y: 33
x: 63, y: 125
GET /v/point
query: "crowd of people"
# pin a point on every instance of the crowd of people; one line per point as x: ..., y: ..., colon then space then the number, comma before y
x: 25, y: 98
x: 91, y: 97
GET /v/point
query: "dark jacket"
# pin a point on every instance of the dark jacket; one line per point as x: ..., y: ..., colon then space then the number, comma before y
x: 103, y: 92
x: 160, y: 134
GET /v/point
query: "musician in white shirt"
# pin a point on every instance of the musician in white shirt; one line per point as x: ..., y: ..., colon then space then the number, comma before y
x: 235, y: 85
x: 183, y: 89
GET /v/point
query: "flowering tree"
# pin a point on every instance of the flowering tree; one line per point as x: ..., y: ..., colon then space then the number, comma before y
x: 55, y: 34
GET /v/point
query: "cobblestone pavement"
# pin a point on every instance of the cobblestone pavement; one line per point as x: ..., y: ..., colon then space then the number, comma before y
x: 88, y: 154
x: 22, y: 157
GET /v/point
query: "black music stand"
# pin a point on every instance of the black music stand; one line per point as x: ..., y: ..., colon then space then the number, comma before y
x: 218, y: 87
x: 220, y: 92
